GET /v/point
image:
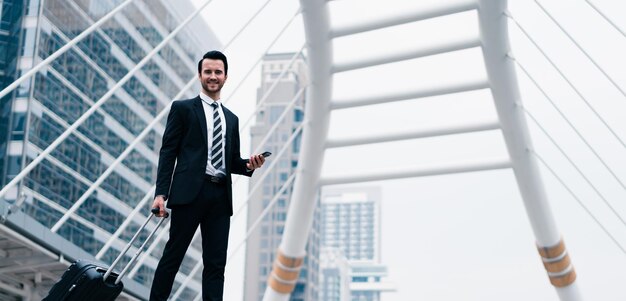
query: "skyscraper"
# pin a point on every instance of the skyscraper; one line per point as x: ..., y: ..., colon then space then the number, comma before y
x: 44, y: 106
x: 262, y: 245
x: 351, y: 223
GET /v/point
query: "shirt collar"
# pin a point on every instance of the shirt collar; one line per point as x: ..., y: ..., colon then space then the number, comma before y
x: 208, y: 100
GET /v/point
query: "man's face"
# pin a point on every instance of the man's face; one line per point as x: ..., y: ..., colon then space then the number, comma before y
x: 212, y: 76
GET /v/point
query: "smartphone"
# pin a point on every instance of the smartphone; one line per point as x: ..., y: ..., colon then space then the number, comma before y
x: 264, y: 154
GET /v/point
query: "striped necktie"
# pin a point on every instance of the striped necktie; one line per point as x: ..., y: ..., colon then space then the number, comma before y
x: 216, y: 146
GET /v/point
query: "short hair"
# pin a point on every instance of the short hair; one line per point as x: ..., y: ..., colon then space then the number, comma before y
x: 214, y: 55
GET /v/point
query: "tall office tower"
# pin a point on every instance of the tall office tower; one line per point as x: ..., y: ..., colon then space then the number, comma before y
x: 262, y: 245
x: 44, y: 106
x: 351, y: 223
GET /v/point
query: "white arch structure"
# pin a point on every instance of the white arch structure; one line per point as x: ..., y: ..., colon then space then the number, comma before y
x: 501, y: 79
x: 503, y: 84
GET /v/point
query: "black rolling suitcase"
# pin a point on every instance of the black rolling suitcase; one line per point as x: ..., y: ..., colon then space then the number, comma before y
x: 88, y: 281
x: 83, y: 280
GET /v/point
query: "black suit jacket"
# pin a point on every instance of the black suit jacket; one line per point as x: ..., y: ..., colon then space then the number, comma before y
x: 185, y: 142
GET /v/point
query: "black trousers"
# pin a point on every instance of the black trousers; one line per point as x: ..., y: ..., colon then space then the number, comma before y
x: 210, y: 211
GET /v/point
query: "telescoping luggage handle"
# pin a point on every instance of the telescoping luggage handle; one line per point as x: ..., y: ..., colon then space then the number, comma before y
x: 153, y: 211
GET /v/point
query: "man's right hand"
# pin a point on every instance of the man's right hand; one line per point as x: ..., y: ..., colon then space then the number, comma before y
x: 159, y: 202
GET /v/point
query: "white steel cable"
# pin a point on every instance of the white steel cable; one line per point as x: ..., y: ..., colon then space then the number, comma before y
x: 247, y: 23
x: 606, y: 18
x: 579, y: 201
x: 593, y: 150
x: 62, y: 50
x: 251, y: 69
x: 580, y: 48
x: 567, y: 80
x: 582, y: 174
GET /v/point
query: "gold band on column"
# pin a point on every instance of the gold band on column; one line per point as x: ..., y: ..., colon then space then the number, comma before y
x: 285, y: 271
x: 290, y: 262
x: 285, y: 274
x: 563, y: 280
x: 553, y: 251
x: 280, y: 286
x: 558, y: 264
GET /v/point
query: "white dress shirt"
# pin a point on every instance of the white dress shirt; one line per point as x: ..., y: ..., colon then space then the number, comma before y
x: 208, y: 114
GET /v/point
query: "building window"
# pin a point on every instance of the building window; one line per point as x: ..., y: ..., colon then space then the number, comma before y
x: 15, y: 164
x: 296, y: 143
x: 29, y: 42
x: 298, y: 115
x: 275, y: 112
x: 19, y: 119
x: 281, y: 216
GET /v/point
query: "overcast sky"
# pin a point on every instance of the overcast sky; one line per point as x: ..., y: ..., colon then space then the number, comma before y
x: 465, y: 236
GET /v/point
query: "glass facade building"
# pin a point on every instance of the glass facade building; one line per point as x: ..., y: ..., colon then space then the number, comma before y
x: 262, y: 245
x: 44, y: 106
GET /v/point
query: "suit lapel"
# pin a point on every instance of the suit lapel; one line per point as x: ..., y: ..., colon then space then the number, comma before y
x: 201, y: 116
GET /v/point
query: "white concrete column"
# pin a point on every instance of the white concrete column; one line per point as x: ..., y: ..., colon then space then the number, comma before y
x: 505, y: 90
x: 291, y: 251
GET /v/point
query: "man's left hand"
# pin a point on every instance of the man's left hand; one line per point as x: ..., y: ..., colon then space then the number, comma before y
x: 255, y: 162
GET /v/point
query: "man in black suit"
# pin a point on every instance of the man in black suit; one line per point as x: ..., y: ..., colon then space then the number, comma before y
x: 202, y: 138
